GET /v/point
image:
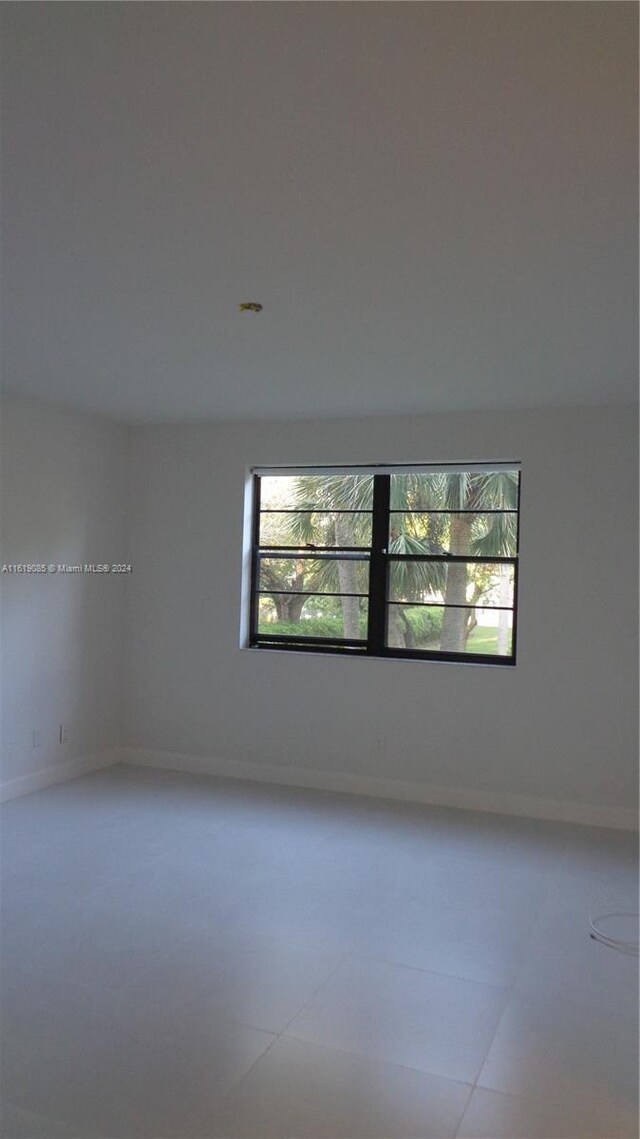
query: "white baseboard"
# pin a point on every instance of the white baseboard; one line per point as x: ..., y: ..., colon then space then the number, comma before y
x: 619, y: 818
x: 46, y: 776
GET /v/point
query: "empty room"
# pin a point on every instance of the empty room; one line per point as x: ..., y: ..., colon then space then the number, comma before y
x: 319, y: 570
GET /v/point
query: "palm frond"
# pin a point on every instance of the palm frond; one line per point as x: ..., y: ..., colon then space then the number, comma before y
x: 300, y: 529
x: 322, y: 576
x: 493, y: 490
x: 499, y: 538
x: 333, y: 492
x: 413, y: 579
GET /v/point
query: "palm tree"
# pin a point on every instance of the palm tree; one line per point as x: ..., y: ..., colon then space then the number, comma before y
x: 325, y: 502
x: 438, y: 513
x: 482, y: 530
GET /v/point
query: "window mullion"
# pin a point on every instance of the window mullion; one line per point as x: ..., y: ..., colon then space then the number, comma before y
x: 255, y: 561
x: 378, y: 567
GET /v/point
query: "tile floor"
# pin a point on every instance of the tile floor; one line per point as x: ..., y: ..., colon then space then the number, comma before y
x: 186, y: 957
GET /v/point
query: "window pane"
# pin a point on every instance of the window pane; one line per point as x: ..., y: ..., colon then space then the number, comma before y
x: 317, y: 529
x: 456, y: 583
x: 313, y: 616
x: 483, y: 535
x: 324, y: 574
x: 460, y: 490
x: 322, y: 492
x: 443, y: 587
x: 458, y: 630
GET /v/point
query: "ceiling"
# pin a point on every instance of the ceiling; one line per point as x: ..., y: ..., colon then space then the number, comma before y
x: 434, y: 202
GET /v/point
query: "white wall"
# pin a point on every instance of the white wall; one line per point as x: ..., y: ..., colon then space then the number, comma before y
x: 63, y: 498
x: 559, y: 727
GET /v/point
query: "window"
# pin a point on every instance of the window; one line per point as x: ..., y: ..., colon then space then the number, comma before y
x: 418, y: 562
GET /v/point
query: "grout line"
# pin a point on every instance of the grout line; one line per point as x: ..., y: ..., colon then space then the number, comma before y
x: 510, y: 992
x: 464, y: 1112
x: 383, y: 1061
x: 338, y: 965
x: 504, y: 986
x: 278, y: 1036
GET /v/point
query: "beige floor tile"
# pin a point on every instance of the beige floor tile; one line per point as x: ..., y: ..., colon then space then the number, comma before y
x: 305, y: 1091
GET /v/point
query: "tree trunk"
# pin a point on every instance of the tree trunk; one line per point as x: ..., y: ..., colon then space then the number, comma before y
x: 288, y: 606
x: 454, y: 627
x: 281, y: 602
x: 409, y: 638
x: 348, y: 577
x: 395, y: 629
x: 503, y: 616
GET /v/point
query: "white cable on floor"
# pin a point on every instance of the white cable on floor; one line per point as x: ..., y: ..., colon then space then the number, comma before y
x: 620, y: 944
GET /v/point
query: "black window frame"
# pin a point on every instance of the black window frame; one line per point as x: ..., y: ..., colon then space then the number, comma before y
x: 379, y: 560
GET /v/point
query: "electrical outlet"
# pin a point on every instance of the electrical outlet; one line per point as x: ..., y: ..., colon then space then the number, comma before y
x: 36, y: 737
x: 380, y: 744
x: 63, y: 734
